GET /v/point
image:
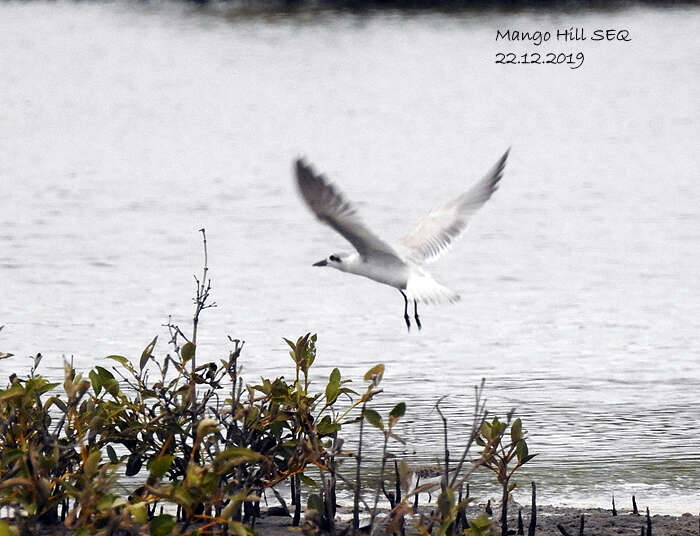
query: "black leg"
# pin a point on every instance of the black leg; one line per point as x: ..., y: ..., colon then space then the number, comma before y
x: 405, y: 310
x: 415, y: 314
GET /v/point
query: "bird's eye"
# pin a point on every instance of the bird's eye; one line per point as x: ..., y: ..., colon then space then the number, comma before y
x: 334, y: 258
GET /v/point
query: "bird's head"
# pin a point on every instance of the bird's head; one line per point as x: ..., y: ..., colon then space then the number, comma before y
x: 335, y: 260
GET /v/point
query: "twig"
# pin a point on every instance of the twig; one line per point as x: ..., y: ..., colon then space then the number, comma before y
x: 444, y: 431
x: 356, y: 499
x: 478, y: 419
x: 380, y: 486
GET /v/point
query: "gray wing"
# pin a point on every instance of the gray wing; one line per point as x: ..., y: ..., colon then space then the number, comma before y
x: 437, y: 232
x: 329, y: 206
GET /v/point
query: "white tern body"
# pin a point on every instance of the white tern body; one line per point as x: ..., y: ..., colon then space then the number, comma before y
x: 401, y: 265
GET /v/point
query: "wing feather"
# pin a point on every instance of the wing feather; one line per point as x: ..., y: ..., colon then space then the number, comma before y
x: 329, y: 206
x: 437, y: 232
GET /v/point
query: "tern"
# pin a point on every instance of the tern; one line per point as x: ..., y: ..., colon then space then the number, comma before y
x: 401, y: 265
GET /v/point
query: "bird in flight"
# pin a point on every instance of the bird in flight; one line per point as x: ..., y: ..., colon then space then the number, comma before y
x: 400, y: 265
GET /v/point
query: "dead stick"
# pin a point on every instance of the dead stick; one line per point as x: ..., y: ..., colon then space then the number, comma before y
x: 521, y: 528
x: 533, y: 512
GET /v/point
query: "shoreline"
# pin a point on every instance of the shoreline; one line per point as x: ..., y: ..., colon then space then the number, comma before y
x: 596, y: 522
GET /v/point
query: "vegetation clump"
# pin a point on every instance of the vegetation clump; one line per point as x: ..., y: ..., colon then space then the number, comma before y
x: 203, y: 447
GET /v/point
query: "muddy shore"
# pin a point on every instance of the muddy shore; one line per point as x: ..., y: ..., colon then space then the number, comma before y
x: 597, y: 522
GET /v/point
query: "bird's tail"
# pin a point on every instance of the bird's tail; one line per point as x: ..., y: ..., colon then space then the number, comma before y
x: 424, y: 289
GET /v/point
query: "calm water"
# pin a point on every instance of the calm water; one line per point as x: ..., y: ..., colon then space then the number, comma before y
x: 125, y: 129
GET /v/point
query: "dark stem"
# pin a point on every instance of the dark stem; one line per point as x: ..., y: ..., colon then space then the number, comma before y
x: 504, y: 508
x: 397, y: 482
x: 444, y: 432
x: 521, y: 527
x: 380, y: 485
x: 533, y: 512
x: 297, y: 500
x: 356, y: 500
x: 648, y: 523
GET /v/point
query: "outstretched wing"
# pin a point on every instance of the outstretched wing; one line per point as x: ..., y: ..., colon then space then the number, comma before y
x: 331, y: 208
x: 437, y: 232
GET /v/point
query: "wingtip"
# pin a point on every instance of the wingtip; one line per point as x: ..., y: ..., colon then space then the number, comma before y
x: 303, y: 170
x: 506, y: 154
x: 501, y: 165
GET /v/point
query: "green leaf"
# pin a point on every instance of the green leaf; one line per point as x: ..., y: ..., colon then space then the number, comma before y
x: 308, y: 481
x: 235, y: 502
x: 332, y: 391
x: 314, y: 503
x: 373, y: 418
x: 111, y: 386
x: 104, y: 373
x: 183, y: 495
x: 396, y: 413
x: 376, y: 371
x: 446, y: 501
x: 147, y: 352
x: 139, y: 512
x: 238, y: 455
x: 162, y: 525
x: 527, y: 459
x: 96, y: 382
x: 335, y: 375
x: 480, y: 526
x: 346, y: 390
x: 105, y: 502
x: 123, y: 360
x: 521, y: 450
x: 13, y: 392
x: 207, y: 426
x: 160, y: 465
x: 290, y: 344
x: 327, y: 427
x: 92, y: 462
x: 55, y: 401
x: 516, y: 431
x: 399, y: 410
x: 5, y: 529
x: 187, y: 351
